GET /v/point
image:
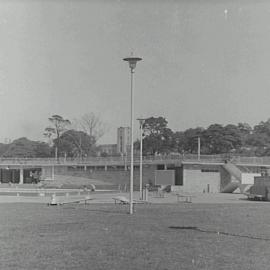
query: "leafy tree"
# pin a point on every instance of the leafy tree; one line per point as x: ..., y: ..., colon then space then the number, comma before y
x: 4, y: 148
x: 259, y: 140
x: 244, y: 129
x: 154, y: 125
x: 59, y: 125
x: 191, y: 139
x: 221, y: 139
x: 25, y: 148
x: 158, y: 138
x: 42, y: 150
x: 21, y: 147
x: 263, y: 128
x: 233, y: 137
x: 76, y: 143
x: 179, y: 141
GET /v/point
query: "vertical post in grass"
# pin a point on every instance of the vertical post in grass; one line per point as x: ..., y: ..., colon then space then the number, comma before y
x: 132, y: 64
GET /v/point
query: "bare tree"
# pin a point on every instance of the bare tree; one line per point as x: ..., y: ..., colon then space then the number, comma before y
x: 92, y: 125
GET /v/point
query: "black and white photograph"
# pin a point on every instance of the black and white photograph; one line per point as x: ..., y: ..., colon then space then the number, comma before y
x: 134, y: 134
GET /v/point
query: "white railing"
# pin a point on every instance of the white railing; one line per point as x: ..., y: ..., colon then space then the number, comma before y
x: 172, y: 158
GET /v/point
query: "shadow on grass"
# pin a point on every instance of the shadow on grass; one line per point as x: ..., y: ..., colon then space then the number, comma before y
x: 244, y: 199
x: 218, y: 232
x: 254, y: 200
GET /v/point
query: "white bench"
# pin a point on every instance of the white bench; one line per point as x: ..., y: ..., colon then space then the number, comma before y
x: 54, y: 201
x: 184, y: 198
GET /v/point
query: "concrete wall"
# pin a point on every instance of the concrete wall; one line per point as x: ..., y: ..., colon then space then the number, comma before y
x: 195, y: 178
x: 47, y: 173
x: 248, y: 178
x: 164, y: 177
x: 198, y: 181
x: 118, y: 177
x: 112, y: 176
x: 225, y: 178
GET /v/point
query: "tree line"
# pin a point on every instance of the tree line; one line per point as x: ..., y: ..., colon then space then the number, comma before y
x: 240, y: 139
x: 65, y: 138
x: 79, y: 139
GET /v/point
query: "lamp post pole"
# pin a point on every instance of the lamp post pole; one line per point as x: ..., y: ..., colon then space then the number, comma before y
x: 132, y: 64
x: 141, y: 121
x: 199, y: 148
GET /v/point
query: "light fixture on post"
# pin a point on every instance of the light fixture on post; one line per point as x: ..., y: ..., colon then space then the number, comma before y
x: 141, y: 121
x: 132, y: 64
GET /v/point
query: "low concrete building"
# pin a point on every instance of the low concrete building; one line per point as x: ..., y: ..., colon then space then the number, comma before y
x: 191, y: 177
x: 109, y: 149
x: 187, y: 176
x: 165, y: 177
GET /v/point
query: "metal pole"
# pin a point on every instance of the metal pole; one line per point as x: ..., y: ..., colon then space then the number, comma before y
x: 141, y: 195
x: 131, y: 142
x: 199, y: 148
x: 132, y: 64
x: 56, y: 152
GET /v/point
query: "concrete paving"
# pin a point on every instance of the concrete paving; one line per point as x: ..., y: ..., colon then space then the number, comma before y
x: 107, y: 197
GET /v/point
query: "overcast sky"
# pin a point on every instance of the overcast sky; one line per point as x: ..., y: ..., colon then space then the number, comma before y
x: 204, y: 62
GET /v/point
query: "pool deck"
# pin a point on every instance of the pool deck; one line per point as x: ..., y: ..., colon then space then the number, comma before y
x: 107, y: 197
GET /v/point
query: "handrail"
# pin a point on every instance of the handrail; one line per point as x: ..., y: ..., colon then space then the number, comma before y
x: 126, y: 160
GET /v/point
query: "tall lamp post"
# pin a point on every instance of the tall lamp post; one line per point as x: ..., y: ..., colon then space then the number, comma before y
x: 141, y: 121
x: 132, y: 64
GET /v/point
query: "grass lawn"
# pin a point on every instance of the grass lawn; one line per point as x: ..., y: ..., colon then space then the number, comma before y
x: 35, y: 236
